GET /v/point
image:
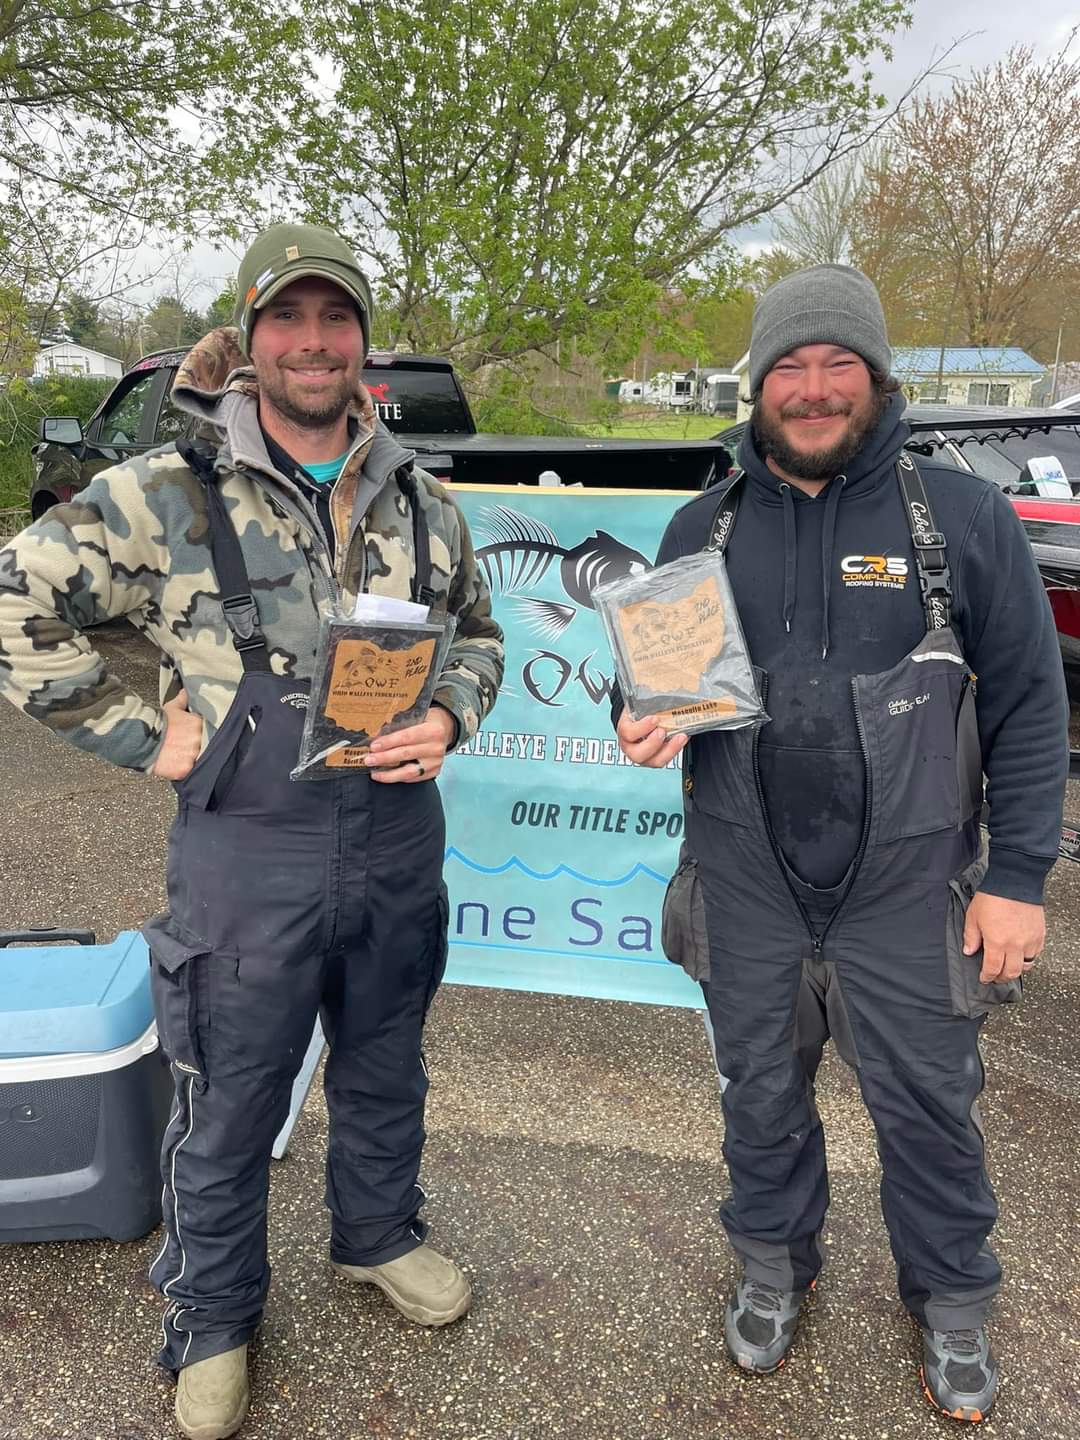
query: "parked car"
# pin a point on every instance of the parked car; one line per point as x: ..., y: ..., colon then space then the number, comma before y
x: 1007, y: 446
x: 420, y: 399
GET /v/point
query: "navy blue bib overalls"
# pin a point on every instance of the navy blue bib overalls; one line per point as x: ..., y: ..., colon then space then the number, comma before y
x: 287, y: 900
x: 876, y: 963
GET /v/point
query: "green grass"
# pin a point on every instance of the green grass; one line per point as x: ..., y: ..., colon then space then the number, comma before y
x: 662, y: 427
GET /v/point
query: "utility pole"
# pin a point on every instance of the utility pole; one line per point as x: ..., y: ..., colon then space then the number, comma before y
x: 1057, y: 362
x: 945, y: 337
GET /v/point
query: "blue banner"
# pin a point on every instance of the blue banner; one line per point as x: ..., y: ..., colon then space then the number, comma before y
x: 558, y: 850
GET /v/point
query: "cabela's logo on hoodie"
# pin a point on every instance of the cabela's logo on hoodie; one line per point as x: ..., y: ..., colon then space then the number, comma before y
x: 887, y: 572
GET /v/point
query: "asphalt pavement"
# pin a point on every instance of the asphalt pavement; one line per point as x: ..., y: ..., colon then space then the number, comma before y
x: 573, y: 1168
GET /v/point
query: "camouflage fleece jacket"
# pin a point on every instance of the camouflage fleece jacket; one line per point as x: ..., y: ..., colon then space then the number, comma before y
x: 135, y: 542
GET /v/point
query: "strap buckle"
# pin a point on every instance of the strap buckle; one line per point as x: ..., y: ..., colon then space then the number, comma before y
x: 936, y: 587
x: 936, y: 582
x: 425, y: 595
x: 242, y: 618
x: 928, y: 539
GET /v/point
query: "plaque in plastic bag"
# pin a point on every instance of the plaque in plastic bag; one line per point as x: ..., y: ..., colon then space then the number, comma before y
x: 370, y: 679
x: 679, y: 651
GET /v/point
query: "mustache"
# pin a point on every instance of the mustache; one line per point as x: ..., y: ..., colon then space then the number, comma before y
x: 311, y: 362
x: 814, y: 410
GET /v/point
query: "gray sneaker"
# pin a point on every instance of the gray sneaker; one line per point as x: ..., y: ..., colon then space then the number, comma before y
x: 759, y: 1324
x: 212, y: 1396
x: 426, y: 1287
x: 959, y: 1372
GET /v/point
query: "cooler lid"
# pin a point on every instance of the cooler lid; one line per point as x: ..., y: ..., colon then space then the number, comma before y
x: 59, y: 999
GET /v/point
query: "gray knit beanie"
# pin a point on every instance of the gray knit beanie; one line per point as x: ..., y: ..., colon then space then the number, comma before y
x: 824, y: 305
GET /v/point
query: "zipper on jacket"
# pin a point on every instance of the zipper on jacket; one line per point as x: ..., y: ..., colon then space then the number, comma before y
x: 771, y: 834
x: 300, y: 508
x: 818, y: 941
x: 342, y: 557
x: 968, y: 679
x: 341, y: 546
x: 867, y: 802
x: 688, y: 770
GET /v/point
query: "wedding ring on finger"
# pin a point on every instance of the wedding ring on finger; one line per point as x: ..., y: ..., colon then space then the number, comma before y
x: 419, y: 767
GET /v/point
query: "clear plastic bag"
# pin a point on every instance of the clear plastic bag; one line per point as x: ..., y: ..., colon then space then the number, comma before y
x: 679, y: 651
x: 370, y: 678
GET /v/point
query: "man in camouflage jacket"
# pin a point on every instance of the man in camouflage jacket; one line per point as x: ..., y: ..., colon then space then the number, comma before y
x: 286, y: 899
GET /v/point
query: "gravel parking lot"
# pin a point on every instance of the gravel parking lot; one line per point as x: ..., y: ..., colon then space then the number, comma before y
x: 574, y: 1169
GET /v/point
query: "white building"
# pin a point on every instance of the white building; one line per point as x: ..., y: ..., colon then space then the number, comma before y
x: 740, y: 368
x: 67, y: 358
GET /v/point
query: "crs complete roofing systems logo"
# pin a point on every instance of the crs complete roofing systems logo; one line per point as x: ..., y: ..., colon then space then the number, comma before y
x: 877, y: 571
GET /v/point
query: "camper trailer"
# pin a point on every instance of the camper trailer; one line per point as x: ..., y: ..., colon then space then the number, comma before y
x: 720, y: 393
x: 670, y: 390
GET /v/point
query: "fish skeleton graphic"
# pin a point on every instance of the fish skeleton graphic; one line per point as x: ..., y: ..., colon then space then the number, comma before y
x: 522, y: 550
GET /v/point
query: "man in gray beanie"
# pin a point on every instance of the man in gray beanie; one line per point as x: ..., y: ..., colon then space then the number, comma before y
x: 835, y: 851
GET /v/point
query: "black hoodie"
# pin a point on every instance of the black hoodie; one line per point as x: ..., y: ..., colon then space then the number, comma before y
x: 812, y: 624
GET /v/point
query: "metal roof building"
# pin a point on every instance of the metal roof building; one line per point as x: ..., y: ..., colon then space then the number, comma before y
x: 967, y: 374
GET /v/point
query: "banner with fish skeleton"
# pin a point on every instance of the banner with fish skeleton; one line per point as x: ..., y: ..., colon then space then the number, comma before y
x: 558, y: 850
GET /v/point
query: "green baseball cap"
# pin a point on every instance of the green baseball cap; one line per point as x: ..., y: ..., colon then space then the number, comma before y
x: 284, y: 253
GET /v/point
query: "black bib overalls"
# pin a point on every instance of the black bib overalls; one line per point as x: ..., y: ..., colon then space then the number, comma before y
x: 287, y: 900
x: 877, y: 964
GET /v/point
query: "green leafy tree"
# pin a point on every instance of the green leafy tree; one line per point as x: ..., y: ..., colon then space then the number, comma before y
x: 22, y: 406
x: 220, y: 310
x: 18, y: 342
x: 82, y: 318
x: 86, y: 87
x: 170, y: 323
x: 723, y: 322
x: 526, y: 175
x: 119, y: 325
x: 120, y: 115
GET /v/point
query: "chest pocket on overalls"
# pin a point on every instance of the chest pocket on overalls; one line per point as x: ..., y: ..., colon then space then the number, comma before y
x: 919, y: 720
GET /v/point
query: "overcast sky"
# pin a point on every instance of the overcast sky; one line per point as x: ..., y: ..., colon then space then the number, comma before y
x: 980, y: 32
x: 992, y: 28
x: 984, y: 29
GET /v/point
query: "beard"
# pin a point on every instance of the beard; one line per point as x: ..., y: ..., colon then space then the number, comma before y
x: 301, y: 406
x: 768, y: 432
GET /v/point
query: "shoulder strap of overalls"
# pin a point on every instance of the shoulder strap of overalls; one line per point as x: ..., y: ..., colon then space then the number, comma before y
x: 241, y: 614
x: 931, y: 559
x: 423, y: 593
x: 723, y: 521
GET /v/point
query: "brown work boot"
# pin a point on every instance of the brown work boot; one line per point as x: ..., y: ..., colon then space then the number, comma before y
x: 212, y: 1396
x: 425, y: 1286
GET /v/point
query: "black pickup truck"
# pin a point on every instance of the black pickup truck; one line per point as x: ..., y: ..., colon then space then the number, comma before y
x: 419, y: 398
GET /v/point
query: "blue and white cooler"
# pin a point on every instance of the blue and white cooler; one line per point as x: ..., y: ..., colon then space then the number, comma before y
x: 85, y: 1091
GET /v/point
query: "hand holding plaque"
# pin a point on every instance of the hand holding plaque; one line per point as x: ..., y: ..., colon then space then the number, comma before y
x: 370, y: 679
x: 679, y: 650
